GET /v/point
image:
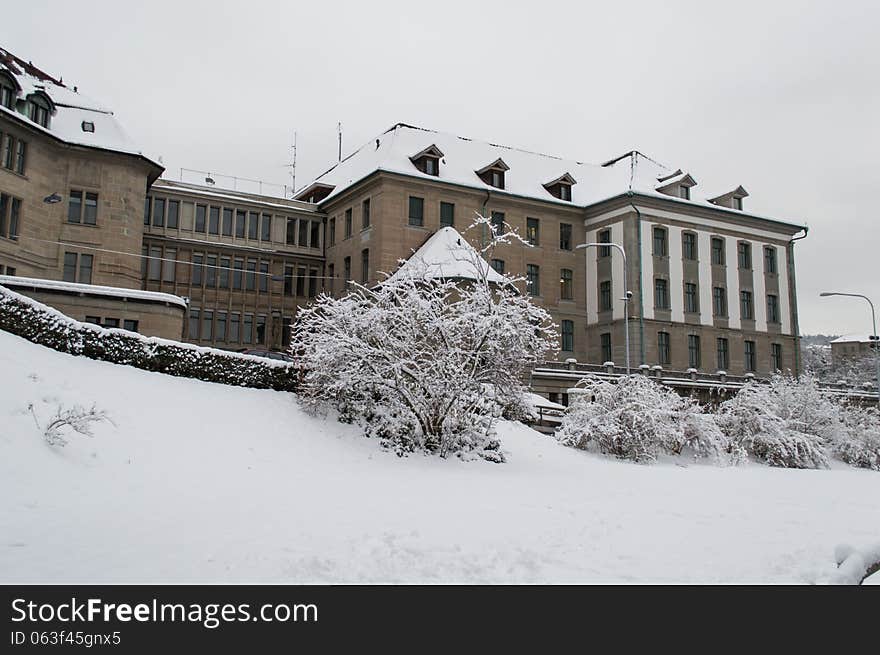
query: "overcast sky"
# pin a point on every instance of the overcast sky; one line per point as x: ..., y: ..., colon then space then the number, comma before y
x: 781, y: 97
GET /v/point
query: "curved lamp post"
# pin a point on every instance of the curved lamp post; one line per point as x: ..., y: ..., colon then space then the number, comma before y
x: 874, y: 338
x: 626, y: 295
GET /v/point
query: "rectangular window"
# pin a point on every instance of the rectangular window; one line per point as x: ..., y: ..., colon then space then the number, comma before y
x: 750, y: 356
x: 498, y: 265
x: 225, y: 263
x: 532, y: 227
x: 772, y: 309
x: 694, y: 358
x: 691, y: 298
x: 214, y: 221
x: 605, y: 302
x: 130, y: 325
x: 261, y: 329
x: 770, y: 259
x: 173, y: 217
x: 346, y: 267
x: 331, y: 282
x: 776, y: 356
x: 663, y: 348
x: 237, y: 274
x: 718, y: 251
x: 194, y: 324
x: 111, y: 322
x: 746, y: 307
x: 288, y: 280
x: 333, y: 231
x: 315, y: 233
x: 266, y: 228
x: 85, y: 269
x: 286, y: 324
x: 365, y: 213
x: 660, y: 249
x: 220, y: 328
x: 566, y: 284
x: 20, y: 152
x: 661, y: 294
x: 264, y: 277
x: 684, y: 192
x: 211, y: 271
x: 416, y: 211
x: 737, y: 202
x: 198, y: 269
x: 10, y: 212
x: 247, y: 332
x: 69, y: 267
x: 533, y: 282
x: 290, y: 234
x: 605, y: 237
x: 722, y: 350
x: 207, y: 326
x: 744, y: 252
x: 159, y: 212
x: 147, y: 208
x: 251, y: 278
x: 227, y: 222
x: 155, y: 266
x: 91, y: 209
x: 568, y: 336
x: 565, y: 236
x: 253, y: 227
x: 240, y: 223
x: 719, y: 301
x: 301, y: 281
x: 234, y: 327
x: 304, y: 233
x: 348, y: 219
x: 605, y: 341
x: 313, y: 283
x: 201, y: 210
x: 74, y: 207
x: 689, y: 245
x: 498, y: 222
x: 447, y: 214
x: 365, y: 265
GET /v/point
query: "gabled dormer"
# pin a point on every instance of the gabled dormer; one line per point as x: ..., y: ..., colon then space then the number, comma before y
x: 39, y: 108
x: 315, y: 192
x: 428, y: 160
x: 561, y: 186
x: 731, y: 199
x: 676, y: 184
x: 9, y: 89
x: 493, y: 174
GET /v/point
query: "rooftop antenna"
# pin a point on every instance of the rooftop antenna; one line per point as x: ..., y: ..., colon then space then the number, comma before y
x: 339, y: 129
x: 293, y: 167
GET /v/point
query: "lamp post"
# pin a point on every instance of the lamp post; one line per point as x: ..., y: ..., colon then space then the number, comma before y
x: 626, y: 295
x: 874, y: 338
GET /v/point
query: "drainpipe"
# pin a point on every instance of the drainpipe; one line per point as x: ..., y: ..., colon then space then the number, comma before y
x: 641, y: 295
x: 795, y: 324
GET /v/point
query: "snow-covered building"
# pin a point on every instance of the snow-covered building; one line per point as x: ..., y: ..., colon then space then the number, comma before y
x: 852, y: 346
x: 713, y: 284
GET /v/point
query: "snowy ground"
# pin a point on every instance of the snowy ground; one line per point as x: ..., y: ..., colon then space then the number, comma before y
x: 204, y: 482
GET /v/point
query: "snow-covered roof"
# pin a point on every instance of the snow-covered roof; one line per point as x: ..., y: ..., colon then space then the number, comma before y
x: 448, y: 255
x: 527, y: 174
x: 90, y: 289
x: 853, y: 338
x: 72, y: 110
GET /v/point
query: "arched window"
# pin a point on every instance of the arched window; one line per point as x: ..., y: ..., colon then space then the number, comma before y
x: 39, y: 108
x: 8, y: 90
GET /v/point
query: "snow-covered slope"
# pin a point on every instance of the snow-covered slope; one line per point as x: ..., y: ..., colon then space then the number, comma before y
x: 204, y: 482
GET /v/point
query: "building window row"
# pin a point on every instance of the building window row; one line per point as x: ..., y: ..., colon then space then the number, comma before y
x: 127, y: 324
x: 300, y: 281
x: 303, y: 233
x: 227, y: 327
x: 722, y: 352
x: 162, y: 212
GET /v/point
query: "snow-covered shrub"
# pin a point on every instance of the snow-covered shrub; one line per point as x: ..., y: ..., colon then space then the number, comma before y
x: 788, y: 423
x: 424, y: 361
x: 72, y: 419
x: 859, y: 445
x: 48, y: 327
x: 636, y: 418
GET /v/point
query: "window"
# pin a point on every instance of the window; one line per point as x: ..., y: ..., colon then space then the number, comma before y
x: 565, y: 192
x: 718, y: 251
x: 96, y: 320
x: 346, y: 267
x: 496, y: 179
x: 498, y: 265
x: 776, y: 356
x: 348, y: 218
x: 315, y: 233
x: 227, y: 222
x: 253, y: 225
x: 304, y: 233
x: 159, y: 212
x: 416, y: 211
x: 694, y: 351
x: 10, y: 211
x: 220, y: 327
x: 290, y: 234
x: 750, y: 357
x: 663, y: 348
x: 288, y: 280
x: 605, y: 237
x: 286, y: 324
x: 200, y: 217
x: 722, y: 350
x: 605, y: 303
x: 737, y: 203
x: 7, y: 93
x: 111, y: 322
x: 14, y: 155
x: 746, y: 307
x: 684, y: 192
x: 214, y: 221
x: 261, y: 329
x: 247, y: 332
x: 447, y: 214
x: 82, y: 207
x: 38, y: 112
x: 497, y: 221
x: 20, y: 152
x: 689, y: 245
x: 225, y: 263
x: 333, y: 231
x: 532, y: 226
x: 234, y: 327
x: 197, y: 269
x: 211, y: 271
x: 660, y: 242
x: 154, y: 269
x: 744, y: 252
x: 240, y: 223
x: 365, y: 265
x: 605, y: 341
x: 431, y: 167
x: 567, y: 336
x: 565, y: 236
x: 84, y: 272
x: 266, y: 228
x: 264, y: 277
x: 237, y: 273
x: 691, y: 298
x: 533, y: 282
x: 719, y: 301
x: 331, y: 280
x: 172, y: 220
x: 313, y: 283
x: 194, y: 324
x: 566, y: 283
x: 301, y: 281
x: 365, y: 214
x: 251, y: 277
x: 661, y: 294
x: 772, y: 309
x: 770, y: 259
x: 147, y: 204
x: 207, y: 326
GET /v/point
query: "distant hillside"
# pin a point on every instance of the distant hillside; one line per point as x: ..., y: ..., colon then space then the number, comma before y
x: 817, y: 339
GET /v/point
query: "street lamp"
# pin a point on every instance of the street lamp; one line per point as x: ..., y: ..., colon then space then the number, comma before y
x: 626, y: 295
x: 874, y: 338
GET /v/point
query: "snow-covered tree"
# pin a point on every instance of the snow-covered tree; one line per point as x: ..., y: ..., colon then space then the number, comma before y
x: 859, y: 444
x: 427, y: 359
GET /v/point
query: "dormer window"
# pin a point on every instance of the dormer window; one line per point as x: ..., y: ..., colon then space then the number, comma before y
x: 677, y: 184
x: 8, y: 90
x: 493, y: 174
x: 39, y: 108
x: 731, y: 199
x: 315, y: 193
x: 428, y: 160
x: 738, y: 202
x: 684, y: 192
x: 561, y: 187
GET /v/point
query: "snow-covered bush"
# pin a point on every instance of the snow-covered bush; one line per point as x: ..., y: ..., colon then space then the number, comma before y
x: 859, y: 445
x: 427, y: 360
x: 636, y: 418
x: 71, y: 419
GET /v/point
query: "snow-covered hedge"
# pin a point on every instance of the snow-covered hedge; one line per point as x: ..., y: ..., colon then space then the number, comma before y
x: 48, y: 327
